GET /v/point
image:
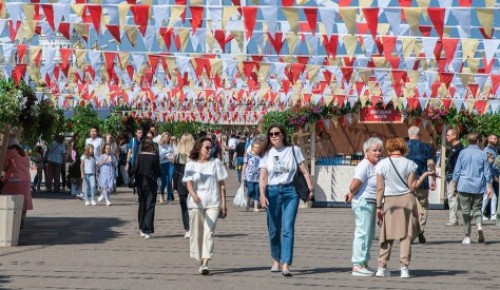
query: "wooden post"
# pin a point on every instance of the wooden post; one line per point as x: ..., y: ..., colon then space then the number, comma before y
x: 442, y: 183
x: 4, y: 139
x: 312, y: 138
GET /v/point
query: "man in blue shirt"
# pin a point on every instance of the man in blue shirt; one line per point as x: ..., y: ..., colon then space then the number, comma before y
x: 133, y: 149
x: 422, y: 155
x: 491, y: 151
x: 471, y: 177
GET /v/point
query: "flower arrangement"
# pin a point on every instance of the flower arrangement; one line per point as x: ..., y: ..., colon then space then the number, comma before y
x: 308, y: 114
x: 12, y: 101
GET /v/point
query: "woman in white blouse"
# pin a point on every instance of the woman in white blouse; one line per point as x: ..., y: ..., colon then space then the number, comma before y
x: 277, y: 192
x: 166, y: 152
x: 204, y: 177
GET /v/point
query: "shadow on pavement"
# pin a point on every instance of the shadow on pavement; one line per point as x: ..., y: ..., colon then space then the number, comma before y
x: 319, y: 271
x: 230, y: 235
x: 240, y: 270
x: 51, y: 195
x: 433, y: 273
x: 3, y: 281
x: 68, y: 230
x: 460, y: 242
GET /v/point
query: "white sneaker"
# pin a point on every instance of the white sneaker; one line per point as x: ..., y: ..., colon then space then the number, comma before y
x: 485, y: 218
x: 108, y: 203
x: 87, y: 203
x: 93, y: 202
x: 493, y: 217
x: 383, y: 272
x: 187, y: 234
x: 360, y: 271
x: 466, y: 241
x: 142, y: 234
x: 100, y: 198
x: 405, y: 273
x: 148, y: 236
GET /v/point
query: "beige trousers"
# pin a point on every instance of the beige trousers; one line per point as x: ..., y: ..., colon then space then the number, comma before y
x: 202, y: 227
x: 404, y: 249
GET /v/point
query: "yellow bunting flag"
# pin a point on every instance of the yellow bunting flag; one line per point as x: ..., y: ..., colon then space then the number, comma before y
x: 239, y: 37
x: 292, y: 41
x: 175, y: 13
x: 413, y: 17
x: 349, y: 14
x: 131, y: 32
x: 183, y: 34
x: 292, y: 15
x: 78, y: 8
x: 350, y: 43
x: 226, y: 14
x: 469, y: 47
x: 122, y: 13
x: 485, y: 16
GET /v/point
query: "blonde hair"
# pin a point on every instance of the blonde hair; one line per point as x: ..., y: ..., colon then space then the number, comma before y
x: 86, y: 152
x: 185, y: 144
x: 161, y: 138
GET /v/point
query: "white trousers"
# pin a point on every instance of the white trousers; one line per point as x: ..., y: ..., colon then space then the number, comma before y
x: 202, y: 226
x: 493, y: 204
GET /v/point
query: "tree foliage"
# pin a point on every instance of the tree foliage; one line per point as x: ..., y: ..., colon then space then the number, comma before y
x: 84, y: 117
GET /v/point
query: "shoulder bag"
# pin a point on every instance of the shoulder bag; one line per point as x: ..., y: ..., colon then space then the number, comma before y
x: 420, y: 209
x: 299, y: 181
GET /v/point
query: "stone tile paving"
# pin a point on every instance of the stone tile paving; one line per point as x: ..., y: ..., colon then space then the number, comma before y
x: 69, y: 246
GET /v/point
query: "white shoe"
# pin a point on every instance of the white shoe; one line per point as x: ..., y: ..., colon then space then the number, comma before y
x: 493, y: 217
x: 360, y: 271
x: 142, y: 234
x: 485, y: 218
x: 187, y: 234
x: 148, y: 236
x: 79, y: 196
x: 405, y: 273
x: 108, y: 203
x: 87, y: 203
x: 100, y: 198
x: 466, y: 241
x: 383, y: 272
x: 93, y: 202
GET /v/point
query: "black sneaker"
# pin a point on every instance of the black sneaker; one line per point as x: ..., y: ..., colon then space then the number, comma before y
x: 480, y: 239
x: 421, y: 238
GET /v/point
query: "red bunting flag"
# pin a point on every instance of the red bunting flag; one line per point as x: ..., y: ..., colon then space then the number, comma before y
x: 449, y: 46
x: 480, y: 106
x: 312, y: 18
x: 436, y: 14
x: 277, y: 41
x: 49, y: 15
x: 114, y: 30
x: 446, y: 78
x: 371, y: 16
x: 95, y: 14
x: 21, y: 51
x: 196, y: 17
x: 389, y: 42
x: 249, y: 16
x: 64, y: 30
x: 141, y: 16
x: 14, y: 29
x: 331, y: 44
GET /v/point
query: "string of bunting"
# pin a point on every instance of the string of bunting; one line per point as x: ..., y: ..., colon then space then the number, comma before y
x: 228, y: 59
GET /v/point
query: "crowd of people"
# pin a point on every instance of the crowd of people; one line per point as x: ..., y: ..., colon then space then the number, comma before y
x: 390, y: 192
x: 393, y: 193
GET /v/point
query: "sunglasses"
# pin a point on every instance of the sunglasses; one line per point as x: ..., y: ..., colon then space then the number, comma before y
x: 274, y: 134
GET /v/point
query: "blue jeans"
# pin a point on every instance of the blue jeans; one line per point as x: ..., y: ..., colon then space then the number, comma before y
x: 239, y: 165
x: 281, y: 214
x: 89, y: 186
x: 364, y: 213
x: 253, y: 190
x: 167, y: 172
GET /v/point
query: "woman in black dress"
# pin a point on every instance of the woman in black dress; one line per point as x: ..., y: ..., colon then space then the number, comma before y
x: 147, y: 171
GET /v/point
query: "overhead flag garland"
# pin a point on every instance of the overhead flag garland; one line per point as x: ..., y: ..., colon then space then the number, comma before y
x: 199, y: 60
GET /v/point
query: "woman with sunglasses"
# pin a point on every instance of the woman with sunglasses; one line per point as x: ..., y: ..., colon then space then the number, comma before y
x: 277, y: 192
x: 204, y: 177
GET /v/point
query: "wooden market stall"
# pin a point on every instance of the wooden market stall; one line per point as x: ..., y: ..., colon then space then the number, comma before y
x: 339, y: 146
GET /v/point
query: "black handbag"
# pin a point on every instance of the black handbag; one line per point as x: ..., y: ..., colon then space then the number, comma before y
x: 299, y: 181
x: 131, y: 181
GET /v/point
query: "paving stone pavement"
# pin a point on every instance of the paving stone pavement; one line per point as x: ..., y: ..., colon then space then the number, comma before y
x: 69, y: 246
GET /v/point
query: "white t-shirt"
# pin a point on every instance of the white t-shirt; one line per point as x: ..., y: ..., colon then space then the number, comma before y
x: 280, y: 164
x: 89, y: 164
x: 393, y: 184
x: 231, y: 143
x: 365, y: 172
x: 205, y: 177
x: 97, y: 143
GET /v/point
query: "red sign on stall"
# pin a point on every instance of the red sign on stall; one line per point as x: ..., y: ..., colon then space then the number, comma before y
x: 374, y: 115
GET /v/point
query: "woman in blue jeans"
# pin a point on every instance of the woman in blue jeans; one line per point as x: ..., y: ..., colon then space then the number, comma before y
x: 167, y: 168
x: 363, y: 197
x: 278, y: 194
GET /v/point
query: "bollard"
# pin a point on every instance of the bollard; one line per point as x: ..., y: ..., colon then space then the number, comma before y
x: 11, y: 210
